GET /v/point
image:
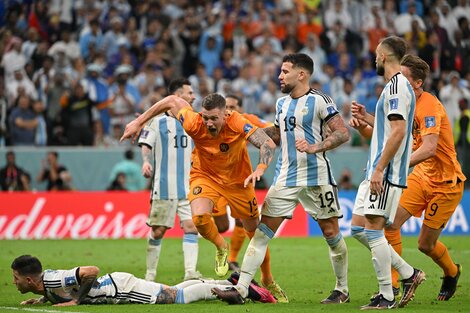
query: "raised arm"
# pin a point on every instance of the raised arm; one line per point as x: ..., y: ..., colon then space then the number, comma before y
x: 359, y: 111
x: 266, y: 153
x: 87, y: 276
x: 339, y: 135
x: 362, y: 127
x: 146, y: 165
x: 273, y: 133
x: 171, y: 103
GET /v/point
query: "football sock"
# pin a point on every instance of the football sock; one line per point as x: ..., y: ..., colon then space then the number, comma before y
x: 190, y: 252
x: 381, y: 260
x: 254, y: 255
x: 153, y: 254
x: 339, y: 260
x: 206, y: 227
x: 440, y: 255
x: 394, y: 239
x: 198, y: 291
x: 265, y: 268
x: 358, y: 233
x: 236, y: 242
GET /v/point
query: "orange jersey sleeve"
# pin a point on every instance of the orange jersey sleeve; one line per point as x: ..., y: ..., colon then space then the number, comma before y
x: 224, y: 158
x: 255, y: 120
x: 431, y: 118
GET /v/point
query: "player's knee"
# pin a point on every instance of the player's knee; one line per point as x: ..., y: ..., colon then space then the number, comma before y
x: 425, y: 247
x: 158, y: 232
x: 357, y: 231
x: 222, y: 227
x: 263, y: 229
x: 202, y: 222
x: 222, y: 223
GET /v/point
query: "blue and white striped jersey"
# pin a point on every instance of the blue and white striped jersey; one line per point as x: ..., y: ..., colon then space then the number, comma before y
x: 397, y: 98
x: 303, y: 118
x: 63, y: 285
x: 172, y: 149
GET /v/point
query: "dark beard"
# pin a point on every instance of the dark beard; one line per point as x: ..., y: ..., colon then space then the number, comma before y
x: 287, y: 89
x: 380, y: 70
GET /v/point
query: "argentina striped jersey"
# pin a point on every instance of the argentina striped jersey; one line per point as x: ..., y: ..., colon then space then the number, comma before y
x: 303, y: 118
x: 397, y: 98
x: 172, y: 149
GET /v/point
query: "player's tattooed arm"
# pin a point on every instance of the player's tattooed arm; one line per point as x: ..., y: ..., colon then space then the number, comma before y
x: 265, y: 144
x: 274, y: 133
x: 87, y: 276
x: 166, y: 296
x: 339, y: 135
x: 146, y: 153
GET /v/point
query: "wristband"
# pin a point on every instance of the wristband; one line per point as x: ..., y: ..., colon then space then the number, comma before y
x: 262, y: 166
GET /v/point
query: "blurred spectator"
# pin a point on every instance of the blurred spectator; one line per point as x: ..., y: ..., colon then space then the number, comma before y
x: 112, y: 36
x: 416, y: 37
x: 462, y: 9
x: 119, y: 183
x: 77, y: 116
x: 313, y: 49
x: 91, y: 37
x: 336, y: 12
x: 3, y: 116
x: 462, y: 138
x: 210, y: 50
x: 55, y: 129
x: 447, y: 20
x: 403, y: 21
x: 131, y: 169
x: 345, y: 181
x: 56, y: 175
x: 451, y: 94
x: 40, y: 138
x: 67, y: 44
x: 13, y: 177
x: 13, y: 59
x: 23, y: 122
x: 19, y: 84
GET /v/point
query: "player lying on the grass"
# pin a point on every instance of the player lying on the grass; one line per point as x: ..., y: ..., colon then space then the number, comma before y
x: 81, y: 285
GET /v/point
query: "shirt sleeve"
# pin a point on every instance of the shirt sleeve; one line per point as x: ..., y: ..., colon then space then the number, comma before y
x: 190, y: 120
x: 148, y: 134
x: 61, y: 278
x: 242, y: 125
x: 430, y: 117
x: 326, y: 107
x: 398, y: 103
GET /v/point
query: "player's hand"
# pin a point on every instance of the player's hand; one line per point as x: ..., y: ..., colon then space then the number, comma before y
x: 70, y: 303
x: 356, y: 123
x: 132, y: 130
x: 376, y: 182
x: 254, y: 177
x: 147, y: 170
x: 303, y: 146
x: 358, y: 110
x: 31, y: 301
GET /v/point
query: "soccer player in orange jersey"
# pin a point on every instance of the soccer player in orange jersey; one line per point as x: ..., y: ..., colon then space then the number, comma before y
x: 221, y: 167
x: 235, y: 103
x: 435, y: 187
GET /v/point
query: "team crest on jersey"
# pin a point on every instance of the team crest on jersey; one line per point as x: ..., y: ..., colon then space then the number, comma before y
x: 70, y: 281
x: 144, y: 133
x: 247, y: 128
x: 304, y: 110
x: 224, y: 147
x: 197, y: 190
x: 331, y: 110
x: 393, y: 104
x: 429, y: 121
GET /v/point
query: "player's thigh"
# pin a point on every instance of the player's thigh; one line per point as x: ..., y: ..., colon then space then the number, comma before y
x: 442, y: 205
x: 320, y: 202
x: 242, y: 201
x: 413, y: 198
x: 358, y: 209
x: 162, y: 213
x: 281, y: 201
x: 203, y: 195
x: 184, y: 214
x: 384, y: 205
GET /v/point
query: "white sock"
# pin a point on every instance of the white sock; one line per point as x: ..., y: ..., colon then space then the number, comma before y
x: 358, y: 233
x: 339, y: 261
x: 153, y: 254
x: 190, y: 252
x: 404, y: 269
x: 192, y: 282
x: 381, y: 259
x: 254, y: 256
x: 201, y: 291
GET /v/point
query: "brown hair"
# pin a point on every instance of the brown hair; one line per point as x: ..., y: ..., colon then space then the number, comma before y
x: 396, y: 45
x: 419, y: 69
x: 212, y: 101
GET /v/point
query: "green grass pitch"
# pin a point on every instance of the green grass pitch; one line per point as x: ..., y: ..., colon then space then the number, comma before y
x: 300, y: 265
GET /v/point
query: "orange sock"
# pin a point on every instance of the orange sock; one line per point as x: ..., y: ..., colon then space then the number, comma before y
x: 266, y: 275
x: 394, y: 239
x: 206, y: 227
x: 440, y: 255
x: 236, y: 242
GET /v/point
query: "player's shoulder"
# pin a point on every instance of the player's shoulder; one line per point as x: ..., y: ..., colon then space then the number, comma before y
x: 320, y: 95
x: 398, y: 84
x: 428, y: 102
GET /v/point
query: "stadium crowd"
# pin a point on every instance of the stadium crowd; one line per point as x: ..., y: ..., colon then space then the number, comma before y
x: 75, y: 72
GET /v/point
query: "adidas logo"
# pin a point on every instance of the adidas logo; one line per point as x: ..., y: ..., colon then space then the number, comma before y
x: 371, y: 207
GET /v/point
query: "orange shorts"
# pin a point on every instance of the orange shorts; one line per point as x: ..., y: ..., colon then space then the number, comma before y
x: 438, y: 204
x: 221, y: 208
x: 242, y: 201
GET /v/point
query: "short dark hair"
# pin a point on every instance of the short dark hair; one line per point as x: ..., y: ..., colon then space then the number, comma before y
x: 177, y: 83
x: 54, y: 153
x: 234, y: 96
x: 419, y: 69
x: 212, y: 101
x: 300, y: 60
x: 396, y: 45
x: 27, y: 265
x: 129, y: 154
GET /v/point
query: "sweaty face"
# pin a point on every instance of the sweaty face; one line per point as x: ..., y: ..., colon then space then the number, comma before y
x: 232, y: 104
x: 288, y: 77
x: 187, y: 94
x: 214, y: 120
x: 21, y: 282
x: 379, y: 61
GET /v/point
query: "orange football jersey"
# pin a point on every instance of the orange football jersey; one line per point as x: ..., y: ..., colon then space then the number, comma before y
x: 255, y: 120
x: 431, y: 118
x: 223, y: 158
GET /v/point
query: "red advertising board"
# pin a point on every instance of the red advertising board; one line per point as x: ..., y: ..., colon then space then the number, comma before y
x: 88, y: 215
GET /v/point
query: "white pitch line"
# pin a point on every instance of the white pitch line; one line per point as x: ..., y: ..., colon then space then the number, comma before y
x: 36, y: 310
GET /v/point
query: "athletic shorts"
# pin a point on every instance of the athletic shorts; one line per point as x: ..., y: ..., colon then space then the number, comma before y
x: 320, y: 202
x: 221, y: 208
x: 242, y: 201
x: 383, y: 205
x: 438, y: 204
x: 163, y: 212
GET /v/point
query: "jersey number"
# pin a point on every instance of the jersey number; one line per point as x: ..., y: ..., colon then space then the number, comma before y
x: 329, y: 199
x: 181, y: 141
x: 433, y: 209
x: 253, y: 206
x: 289, y: 123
